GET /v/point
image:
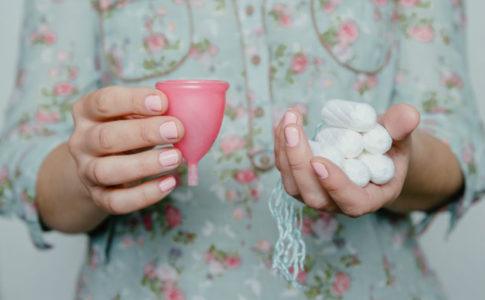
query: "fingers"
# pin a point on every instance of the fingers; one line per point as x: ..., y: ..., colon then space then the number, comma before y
x: 299, y: 154
x: 113, y: 102
x: 400, y: 120
x: 123, y: 201
x: 280, y: 154
x: 115, y: 170
x: 123, y: 135
x: 352, y: 200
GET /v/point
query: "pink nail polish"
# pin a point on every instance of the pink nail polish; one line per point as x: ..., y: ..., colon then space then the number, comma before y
x: 169, y: 130
x: 153, y: 103
x: 167, y: 184
x: 292, y: 136
x: 290, y: 118
x: 320, y: 170
x: 169, y: 158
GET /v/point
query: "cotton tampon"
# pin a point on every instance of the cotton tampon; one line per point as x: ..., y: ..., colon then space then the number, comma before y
x: 357, y: 171
x: 348, y: 142
x: 381, y: 167
x: 330, y: 153
x: 357, y: 116
x: 377, y: 140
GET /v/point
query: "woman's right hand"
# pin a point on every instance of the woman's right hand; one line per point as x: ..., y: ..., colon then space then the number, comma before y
x: 116, y: 129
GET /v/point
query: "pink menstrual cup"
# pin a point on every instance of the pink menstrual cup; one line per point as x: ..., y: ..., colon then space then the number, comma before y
x: 199, y: 105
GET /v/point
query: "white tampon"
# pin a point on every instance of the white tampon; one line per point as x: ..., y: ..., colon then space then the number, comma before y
x: 330, y: 153
x: 381, y: 167
x: 357, y: 116
x: 347, y: 141
x: 357, y: 171
x: 377, y: 140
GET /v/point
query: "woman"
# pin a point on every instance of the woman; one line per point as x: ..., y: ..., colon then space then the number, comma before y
x: 149, y: 239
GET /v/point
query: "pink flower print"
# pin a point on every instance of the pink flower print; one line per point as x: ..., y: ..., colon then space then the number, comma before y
x: 47, y: 117
x: 325, y: 227
x: 167, y: 273
x: 340, y: 284
x: 254, y: 193
x: 299, y: 63
x: 63, y: 89
x: 73, y: 72
x: 282, y: 15
x: 307, y: 226
x: 348, y: 32
x: 409, y: 3
x: 263, y: 246
x: 468, y: 153
x: 173, y: 293
x: 104, y: 4
x: 245, y: 176
x: 452, y: 80
x: 3, y: 175
x: 63, y: 56
x: 421, y: 33
x: 149, y: 271
x: 155, y: 42
x: 380, y: 2
x: 238, y: 214
x: 43, y: 36
x: 232, y: 262
x: 230, y: 195
x: 148, y: 221
x: 330, y: 5
x: 231, y: 144
x: 301, y: 277
x: 173, y: 216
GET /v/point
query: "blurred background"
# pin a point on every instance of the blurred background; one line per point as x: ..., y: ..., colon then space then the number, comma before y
x: 26, y: 273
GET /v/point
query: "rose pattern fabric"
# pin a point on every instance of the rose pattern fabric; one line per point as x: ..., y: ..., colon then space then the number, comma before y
x: 216, y: 241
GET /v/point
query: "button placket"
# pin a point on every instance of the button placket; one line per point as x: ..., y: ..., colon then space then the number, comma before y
x: 256, y: 61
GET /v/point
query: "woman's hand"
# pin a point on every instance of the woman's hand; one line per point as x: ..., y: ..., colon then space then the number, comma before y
x: 112, y: 148
x: 322, y: 185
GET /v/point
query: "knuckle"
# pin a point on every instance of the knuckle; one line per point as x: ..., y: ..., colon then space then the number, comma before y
x: 314, y: 201
x: 292, y: 192
x: 110, y: 201
x: 104, y: 138
x: 353, y: 211
x: 101, y: 103
x: 97, y: 173
x: 144, y: 198
x: 297, y: 165
x: 148, y: 135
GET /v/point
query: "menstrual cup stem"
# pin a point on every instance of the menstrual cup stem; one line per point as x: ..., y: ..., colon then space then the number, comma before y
x: 193, y: 175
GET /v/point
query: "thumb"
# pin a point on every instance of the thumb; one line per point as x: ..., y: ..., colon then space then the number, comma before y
x: 400, y: 120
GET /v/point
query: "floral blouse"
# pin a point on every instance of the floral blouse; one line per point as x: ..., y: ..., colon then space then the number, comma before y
x: 215, y: 241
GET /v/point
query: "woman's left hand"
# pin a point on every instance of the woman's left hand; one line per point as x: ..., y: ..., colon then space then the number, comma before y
x: 322, y: 185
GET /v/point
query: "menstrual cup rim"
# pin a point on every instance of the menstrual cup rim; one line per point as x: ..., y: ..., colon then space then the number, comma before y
x: 193, y: 83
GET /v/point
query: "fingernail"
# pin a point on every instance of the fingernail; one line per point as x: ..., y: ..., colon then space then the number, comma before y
x: 153, y: 103
x: 169, y: 130
x: 169, y: 158
x: 290, y: 118
x: 167, y: 184
x: 292, y: 136
x: 320, y: 170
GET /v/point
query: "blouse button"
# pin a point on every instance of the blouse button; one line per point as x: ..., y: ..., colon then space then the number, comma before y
x: 249, y: 10
x: 263, y: 160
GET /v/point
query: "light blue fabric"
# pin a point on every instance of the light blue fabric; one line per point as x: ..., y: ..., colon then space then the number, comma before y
x: 216, y: 241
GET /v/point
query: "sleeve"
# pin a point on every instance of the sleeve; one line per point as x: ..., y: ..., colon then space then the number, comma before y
x: 432, y: 76
x: 56, y: 65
